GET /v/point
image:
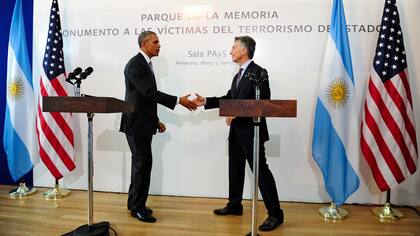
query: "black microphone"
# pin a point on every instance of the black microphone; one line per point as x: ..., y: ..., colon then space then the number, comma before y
x: 258, y: 80
x: 250, y: 76
x: 76, y: 71
x: 72, y: 75
x: 263, y: 75
x: 86, y: 73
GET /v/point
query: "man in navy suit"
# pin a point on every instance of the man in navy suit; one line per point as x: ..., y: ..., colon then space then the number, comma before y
x: 241, y: 135
x: 140, y: 125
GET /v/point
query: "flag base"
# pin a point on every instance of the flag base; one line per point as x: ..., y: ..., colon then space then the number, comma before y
x: 387, y: 213
x: 22, y: 191
x: 97, y: 229
x: 333, y: 212
x: 56, y: 193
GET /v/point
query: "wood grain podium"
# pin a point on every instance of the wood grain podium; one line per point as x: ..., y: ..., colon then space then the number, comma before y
x: 257, y: 109
x: 88, y: 105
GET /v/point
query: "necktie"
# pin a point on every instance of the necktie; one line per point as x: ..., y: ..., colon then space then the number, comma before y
x: 239, y: 77
x: 151, y: 66
x: 153, y: 73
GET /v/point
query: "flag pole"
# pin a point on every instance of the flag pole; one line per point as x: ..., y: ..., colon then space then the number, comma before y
x: 22, y: 191
x: 333, y: 212
x: 56, y: 192
x: 387, y: 212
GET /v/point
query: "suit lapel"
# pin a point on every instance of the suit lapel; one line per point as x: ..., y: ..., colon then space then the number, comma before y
x: 150, y: 73
x: 242, y: 81
x: 153, y: 77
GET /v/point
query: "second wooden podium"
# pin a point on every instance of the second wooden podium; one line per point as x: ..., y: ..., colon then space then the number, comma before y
x: 88, y: 105
x: 257, y: 109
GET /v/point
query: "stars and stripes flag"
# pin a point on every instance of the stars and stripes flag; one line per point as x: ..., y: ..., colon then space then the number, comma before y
x: 55, y: 131
x: 388, y: 141
x: 335, y: 116
x: 20, y: 142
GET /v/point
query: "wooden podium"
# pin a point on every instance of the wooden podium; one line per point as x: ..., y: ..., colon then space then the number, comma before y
x: 257, y: 109
x: 88, y: 105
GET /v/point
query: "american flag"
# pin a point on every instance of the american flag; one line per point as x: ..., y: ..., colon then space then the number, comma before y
x: 388, y: 139
x: 55, y: 131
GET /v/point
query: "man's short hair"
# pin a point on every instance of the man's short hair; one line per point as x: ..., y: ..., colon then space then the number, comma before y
x: 144, y: 35
x: 248, y: 43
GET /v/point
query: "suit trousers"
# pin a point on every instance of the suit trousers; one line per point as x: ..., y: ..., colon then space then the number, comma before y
x: 141, y: 168
x: 240, y: 151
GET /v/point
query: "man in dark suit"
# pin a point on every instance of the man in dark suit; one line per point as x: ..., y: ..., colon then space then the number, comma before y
x: 140, y: 126
x: 241, y: 136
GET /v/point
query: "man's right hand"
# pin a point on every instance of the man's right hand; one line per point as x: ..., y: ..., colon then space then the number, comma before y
x: 199, y: 100
x: 187, y: 103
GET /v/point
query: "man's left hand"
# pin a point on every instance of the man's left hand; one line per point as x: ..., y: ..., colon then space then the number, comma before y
x: 161, y: 127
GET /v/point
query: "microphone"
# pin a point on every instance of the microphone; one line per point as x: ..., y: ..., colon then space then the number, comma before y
x: 75, y: 72
x: 258, y: 80
x: 72, y: 75
x: 250, y: 76
x: 263, y: 75
x: 86, y: 73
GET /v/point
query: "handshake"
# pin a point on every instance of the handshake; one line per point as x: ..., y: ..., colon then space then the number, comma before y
x: 197, y: 102
x: 192, y: 104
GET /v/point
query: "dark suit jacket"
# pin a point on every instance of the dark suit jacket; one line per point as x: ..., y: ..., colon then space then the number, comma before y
x: 244, y: 126
x: 141, y: 90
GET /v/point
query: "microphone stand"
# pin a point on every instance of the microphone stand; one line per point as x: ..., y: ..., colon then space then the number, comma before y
x: 77, y: 83
x: 89, y: 229
x: 256, y: 151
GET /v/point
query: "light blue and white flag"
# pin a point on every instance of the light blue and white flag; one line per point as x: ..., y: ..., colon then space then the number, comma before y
x: 335, y: 114
x: 20, y: 140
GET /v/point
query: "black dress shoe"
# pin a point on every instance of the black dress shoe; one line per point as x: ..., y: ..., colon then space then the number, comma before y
x: 144, y: 216
x: 148, y: 209
x: 270, y: 223
x: 228, y: 210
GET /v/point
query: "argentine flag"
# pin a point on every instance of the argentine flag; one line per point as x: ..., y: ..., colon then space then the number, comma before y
x: 335, y: 122
x: 20, y: 141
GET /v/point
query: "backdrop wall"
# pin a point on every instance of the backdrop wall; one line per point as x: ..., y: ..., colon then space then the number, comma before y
x: 190, y: 159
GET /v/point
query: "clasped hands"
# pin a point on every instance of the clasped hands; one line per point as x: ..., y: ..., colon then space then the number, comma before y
x: 192, y: 104
x: 197, y: 102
